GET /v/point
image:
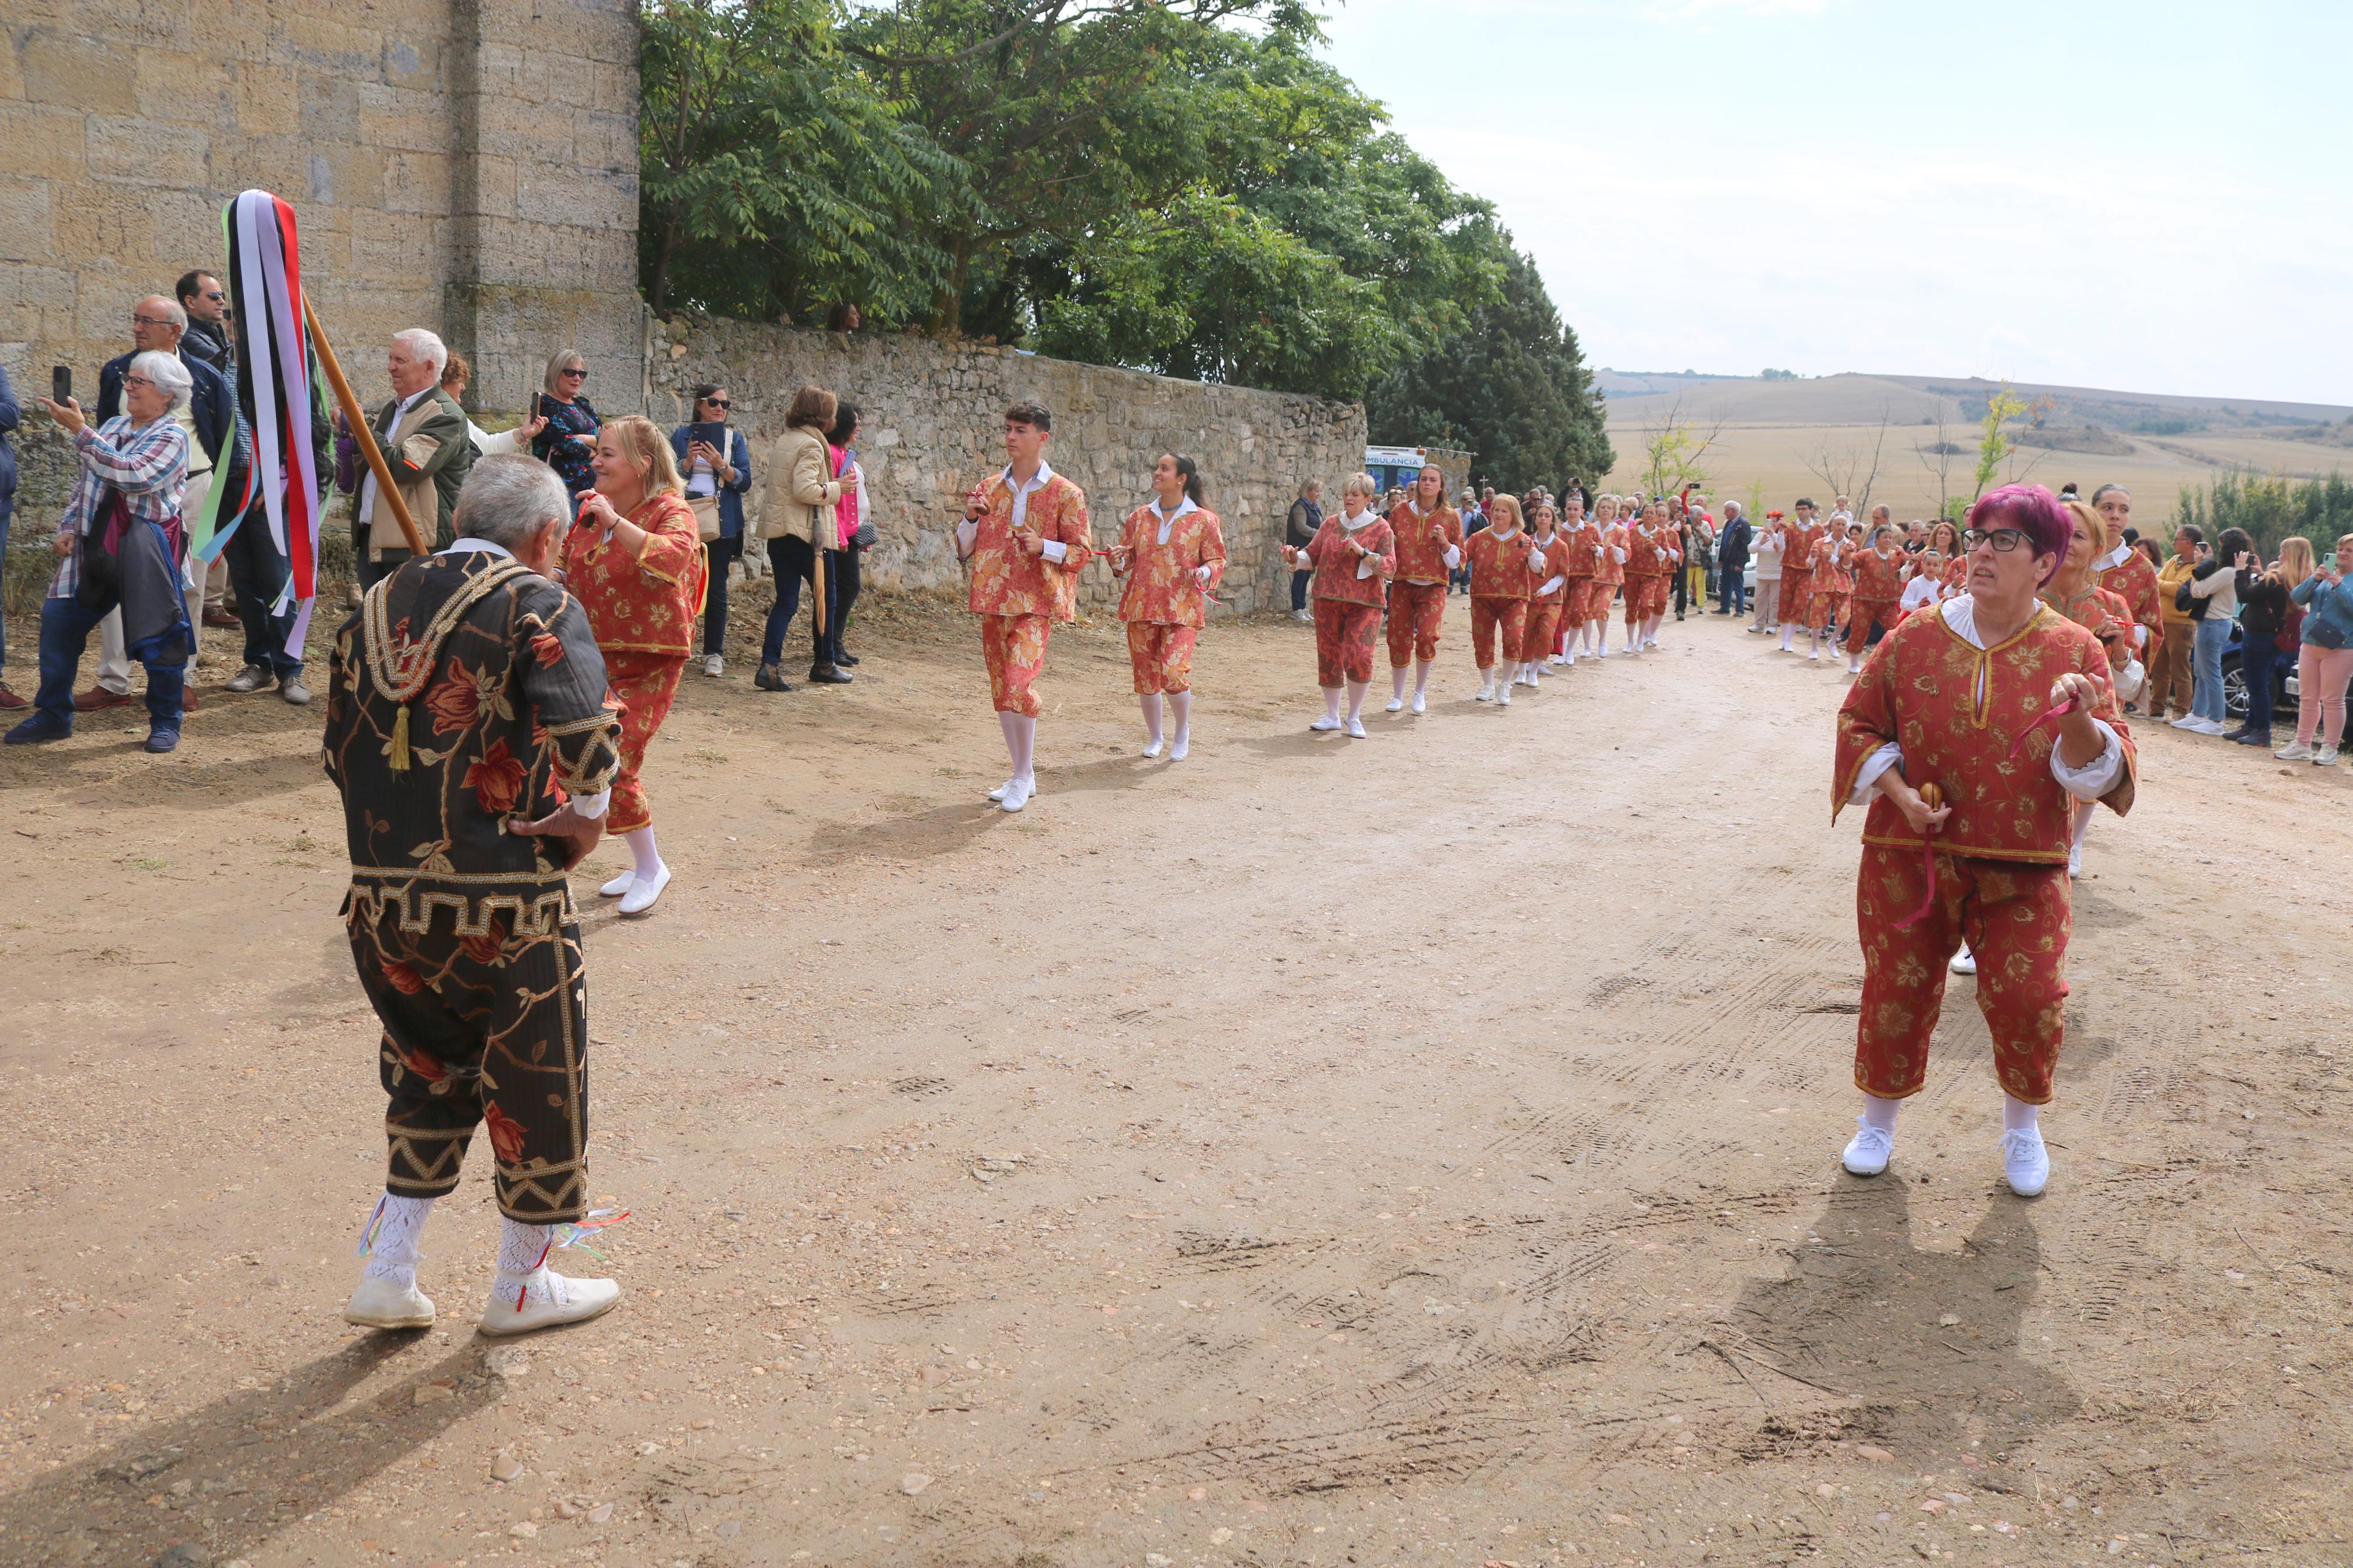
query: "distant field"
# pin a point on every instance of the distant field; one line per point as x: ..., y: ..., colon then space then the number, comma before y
x: 1771, y: 430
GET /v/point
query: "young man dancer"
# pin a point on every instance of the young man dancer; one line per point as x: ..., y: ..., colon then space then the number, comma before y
x: 1429, y: 547
x: 1799, y: 538
x: 1025, y: 533
x: 1964, y: 700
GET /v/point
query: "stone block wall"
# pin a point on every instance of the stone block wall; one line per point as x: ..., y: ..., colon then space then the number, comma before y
x: 932, y: 417
x: 458, y: 164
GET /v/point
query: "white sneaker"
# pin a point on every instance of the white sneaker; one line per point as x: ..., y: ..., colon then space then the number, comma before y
x: 1504, y: 695
x: 381, y: 1304
x: 552, y: 1300
x: 1964, y: 962
x: 1307, y: 616
x: 999, y: 793
x: 2294, y: 752
x: 1867, y: 1155
x: 1556, y: 661
x: 619, y: 885
x: 2074, y: 861
x: 2211, y: 726
x: 2325, y: 758
x: 1487, y: 690
x: 1152, y: 748
x: 643, y: 891
x: 1018, y: 793
x: 2025, y: 1162
x: 1327, y: 722
x: 1356, y: 729
x: 1815, y: 654
x: 1180, y: 747
x: 713, y: 664
x: 1395, y: 705
x: 1421, y: 703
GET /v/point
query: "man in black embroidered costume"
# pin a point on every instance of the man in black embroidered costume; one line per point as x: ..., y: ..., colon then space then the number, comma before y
x: 471, y: 733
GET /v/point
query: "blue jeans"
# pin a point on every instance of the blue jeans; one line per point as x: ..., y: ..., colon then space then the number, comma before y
x: 1732, y: 589
x: 792, y: 563
x: 1299, y: 581
x: 4, y: 556
x: 2206, y: 668
x: 66, y: 626
x: 2258, y: 657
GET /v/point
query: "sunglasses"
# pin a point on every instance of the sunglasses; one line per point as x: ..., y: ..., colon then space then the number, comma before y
x: 573, y: 374
x: 215, y: 294
x: 716, y: 402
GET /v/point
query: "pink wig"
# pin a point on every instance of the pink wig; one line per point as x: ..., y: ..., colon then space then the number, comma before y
x: 2033, y: 512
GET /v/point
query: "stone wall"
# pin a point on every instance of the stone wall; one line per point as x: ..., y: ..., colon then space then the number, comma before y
x: 460, y: 165
x: 932, y: 417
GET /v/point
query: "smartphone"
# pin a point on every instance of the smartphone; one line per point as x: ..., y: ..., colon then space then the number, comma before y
x: 61, y: 383
x: 710, y: 435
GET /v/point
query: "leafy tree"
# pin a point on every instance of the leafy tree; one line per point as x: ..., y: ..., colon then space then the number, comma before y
x: 1511, y: 386
x: 1993, y: 445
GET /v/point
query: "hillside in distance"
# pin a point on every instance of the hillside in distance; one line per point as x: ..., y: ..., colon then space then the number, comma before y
x: 1912, y: 439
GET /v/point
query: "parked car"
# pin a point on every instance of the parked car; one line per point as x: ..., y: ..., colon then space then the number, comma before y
x: 2285, y: 692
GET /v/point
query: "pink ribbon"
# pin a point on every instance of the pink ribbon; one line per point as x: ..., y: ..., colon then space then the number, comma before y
x: 2049, y: 719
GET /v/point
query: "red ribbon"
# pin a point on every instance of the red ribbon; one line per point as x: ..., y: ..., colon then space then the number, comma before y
x: 1927, y: 865
x: 2050, y: 720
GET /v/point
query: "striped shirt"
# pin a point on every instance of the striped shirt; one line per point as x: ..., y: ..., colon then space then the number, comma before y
x: 149, y: 466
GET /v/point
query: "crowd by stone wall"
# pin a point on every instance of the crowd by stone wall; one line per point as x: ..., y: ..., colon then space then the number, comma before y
x: 932, y: 417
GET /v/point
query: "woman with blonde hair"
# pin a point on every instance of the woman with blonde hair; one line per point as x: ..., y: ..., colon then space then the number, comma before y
x: 2075, y: 593
x: 566, y: 441
x: 1353, y: 555
x: 2324, y: 657
x: 635, y: 561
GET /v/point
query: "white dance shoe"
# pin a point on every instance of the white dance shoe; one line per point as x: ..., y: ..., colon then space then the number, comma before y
x: 1395, y: 705
x: 619, y: 885
x: 1017, y: 795
x: 549, y: 1300
x: 1421, y: 703
x: 1867, y: 1155
x: 1356, y: 729
x: 1152, y: 747
x: 2025, y: 1162
x: 1324, y: 724
x: 1179, y: 748
x: 643, y: 891
x: 1964, y: 962
x: 381, y: 1304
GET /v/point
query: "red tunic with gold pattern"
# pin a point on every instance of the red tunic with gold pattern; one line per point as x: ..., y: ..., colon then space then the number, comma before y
x: 1584, y: 553
x: 1165, y: 604
x: 2098, y: 611
x: 1006, y: 580
x: 642, y: 604
x: 1798, y: 541
x: 2135, y: 579
x: 1995, y: 874
x: 1336, y: 564
x: 1421, y: 558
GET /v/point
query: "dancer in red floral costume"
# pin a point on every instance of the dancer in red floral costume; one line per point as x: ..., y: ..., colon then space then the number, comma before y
x: 1429, y: 535
x: 2003, y: 708
x: 1172, y: 550
x: 1352, y: 556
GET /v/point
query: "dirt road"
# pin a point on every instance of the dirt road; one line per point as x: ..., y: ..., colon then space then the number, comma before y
x: 1413, y: 1149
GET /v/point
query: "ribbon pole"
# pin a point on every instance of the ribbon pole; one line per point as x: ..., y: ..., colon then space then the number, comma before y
x: 356, y: 417
x: 1932, y: 796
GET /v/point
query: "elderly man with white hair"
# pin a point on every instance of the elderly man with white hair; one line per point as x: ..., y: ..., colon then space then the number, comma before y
x: 121, y: 543
x: 428, y: 448
x: 472, y: 738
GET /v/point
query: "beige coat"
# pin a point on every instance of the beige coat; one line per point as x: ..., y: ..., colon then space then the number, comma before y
x: 799, y: 482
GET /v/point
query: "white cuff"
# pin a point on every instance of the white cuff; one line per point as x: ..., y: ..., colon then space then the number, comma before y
x: 2140, y: 637
x: 1453, y: 558
x: 591, y: 807
x: 1201, y: 574
x: 1056, y: 551
x: 1866, y: 779
x: 1618, y: 554
x: 1552, y: 585
x: 2130, y: 679
x: 2099, y: 776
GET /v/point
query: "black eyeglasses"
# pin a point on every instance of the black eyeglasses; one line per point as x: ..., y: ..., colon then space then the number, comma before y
x: 716, y: 402
x: 2005, y: 540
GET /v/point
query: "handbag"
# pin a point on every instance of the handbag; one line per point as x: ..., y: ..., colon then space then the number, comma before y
x: 99, y: 585
x: 706, y: 516
x: 2325, y: 633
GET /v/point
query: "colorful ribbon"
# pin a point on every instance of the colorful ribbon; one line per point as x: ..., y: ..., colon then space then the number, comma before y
x: 1934, y: 797
x: 2050, y: 720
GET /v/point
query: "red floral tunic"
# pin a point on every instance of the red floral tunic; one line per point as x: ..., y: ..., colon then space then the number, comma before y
x: 1499, y: 566
x: 1161, y: 587
x: 1651, y: 553
x: 645, y: 601
x: 1607, y: 568
x: 1584, y: 549
x: 1958, y: 711
x: 1556, y: 559
x: 1877, y: 579
x: 1006, y: 580
x: 1420, y: 558
x: 2097, y: 610
x: 2135, y: 579
x: 1336, y: 564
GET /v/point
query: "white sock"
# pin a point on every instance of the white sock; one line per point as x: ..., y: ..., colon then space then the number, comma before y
x: 1880, y: 1113
x: 1396, y: 682
x: 1025, y: 748
x: 523, y: 1274
x: 1181, y: 703
x: 640, y: 841
x: 2017, y: 1116
x: 389, y: 1242
x: 1420, y: 677
x: 1331, y: 702
x: 1357, y: 690
x: 1151, y: 706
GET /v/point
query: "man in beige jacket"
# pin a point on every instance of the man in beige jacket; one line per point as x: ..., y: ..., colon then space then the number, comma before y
x: 426, y: 446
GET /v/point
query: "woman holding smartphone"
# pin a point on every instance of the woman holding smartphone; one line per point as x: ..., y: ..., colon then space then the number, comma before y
x: 716, y: 462
x: 2325, y: 660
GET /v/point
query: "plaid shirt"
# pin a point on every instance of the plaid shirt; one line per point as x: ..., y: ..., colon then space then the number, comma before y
x: 149, y: 467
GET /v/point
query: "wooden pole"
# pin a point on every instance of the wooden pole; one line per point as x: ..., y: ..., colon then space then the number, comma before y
x: 356, y: 417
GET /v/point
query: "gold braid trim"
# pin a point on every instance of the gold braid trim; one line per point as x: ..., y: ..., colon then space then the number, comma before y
x: 400, y: 670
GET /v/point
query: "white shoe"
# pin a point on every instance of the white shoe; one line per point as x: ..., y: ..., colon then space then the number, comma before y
x: 555, y: 1300
x: 1600, y: 653
x: 1356, y: 729
x: 1421, y: 703
x: 1018, y: 793
x: 2187, y: 722
x: 381, y: 1304
x: 619, y: 885
x: 2211, y: 726
x: 1650, y: 642
x: 1487, y: 690
x: 2294, y: 752
x: 1153, y: 748
x: 2025, y: 1162
x: 999, y: 793
x: 1867, y: 1155
x: 1395, y: 705
x: 1964, y: 962
x: 643, y: 891
x: 1180, y: 747
x: 1304, y: 615
x: 2325, y: 758
x: 2074, y: 861
x: 713, y: 664
x: 1556, y: 661
x: 1816, y: 654
x: 1326, y: 724
x: 1504, y: 695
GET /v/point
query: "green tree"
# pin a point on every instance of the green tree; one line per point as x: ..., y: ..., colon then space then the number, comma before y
x: 1511, y: 386
x: 1994, y: 445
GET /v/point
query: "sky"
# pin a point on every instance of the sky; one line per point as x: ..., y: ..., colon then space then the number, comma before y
x: 2149, y: 197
